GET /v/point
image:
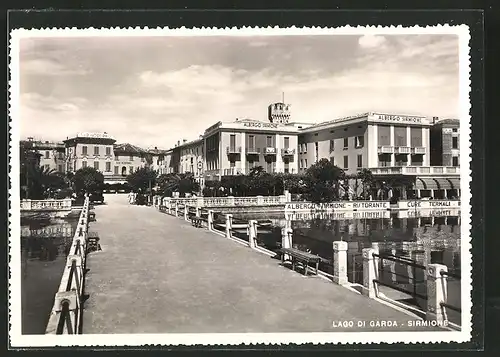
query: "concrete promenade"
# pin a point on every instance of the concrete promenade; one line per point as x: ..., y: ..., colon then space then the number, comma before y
x: 158, y: 274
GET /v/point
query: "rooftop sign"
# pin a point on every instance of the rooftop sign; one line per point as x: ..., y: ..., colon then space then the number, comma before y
x: 399, y: 118
x: 260, y: 125
x: 94, y: 135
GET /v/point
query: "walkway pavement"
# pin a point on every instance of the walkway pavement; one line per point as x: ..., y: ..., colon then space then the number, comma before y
x: 158, y: 274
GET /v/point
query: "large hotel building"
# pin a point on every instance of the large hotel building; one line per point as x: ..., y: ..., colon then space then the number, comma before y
x: 424, y: 151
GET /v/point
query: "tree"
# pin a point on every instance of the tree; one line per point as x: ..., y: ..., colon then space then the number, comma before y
x: 87, y: 179
x: 367, y: 181
x: 142, y: 179
x: 322, y: 181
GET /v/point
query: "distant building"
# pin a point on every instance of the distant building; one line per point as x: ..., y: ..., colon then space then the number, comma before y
x: 90, y: 149
x: 51, y: 154
x: 192, y: 159
x: 445, y: 142
x: 236, y: 147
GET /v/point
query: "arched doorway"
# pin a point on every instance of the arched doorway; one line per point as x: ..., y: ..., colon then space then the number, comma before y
x: 124, y: 171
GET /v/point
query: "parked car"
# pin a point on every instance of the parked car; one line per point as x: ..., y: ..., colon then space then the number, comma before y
x: 96, y: 197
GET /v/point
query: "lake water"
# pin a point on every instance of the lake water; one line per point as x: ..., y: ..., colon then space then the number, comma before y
x: 43, y: 256
x: 422, y: 237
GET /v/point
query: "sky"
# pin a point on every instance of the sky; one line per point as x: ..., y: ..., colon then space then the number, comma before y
x: 154, y: 91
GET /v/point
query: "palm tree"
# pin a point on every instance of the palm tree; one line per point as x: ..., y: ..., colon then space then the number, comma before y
x: 43, y: 180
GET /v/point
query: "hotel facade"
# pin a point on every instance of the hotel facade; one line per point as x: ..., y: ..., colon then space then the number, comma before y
x: 424, y: 151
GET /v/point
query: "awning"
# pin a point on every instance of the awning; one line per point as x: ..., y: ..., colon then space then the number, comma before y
x: 454, y: 182
x: 443, y: 183
x: 424, y: 183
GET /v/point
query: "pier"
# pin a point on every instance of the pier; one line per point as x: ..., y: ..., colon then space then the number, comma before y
x: 158, y: 273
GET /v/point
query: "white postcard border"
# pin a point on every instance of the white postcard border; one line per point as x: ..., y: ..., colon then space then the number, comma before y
x: 19, y: 340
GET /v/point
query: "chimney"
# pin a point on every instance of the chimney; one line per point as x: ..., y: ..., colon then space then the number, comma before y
x: 178, y: 143
x: 156, y: 148
x: 434, y: 120
x: 184, y: 141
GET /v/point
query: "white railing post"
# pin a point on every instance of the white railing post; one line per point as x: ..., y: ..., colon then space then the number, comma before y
x: 229, y: 224
x: 210, y: 220
x: 198, y: 211
x: 340, y: 262
x: 286, y: 240
x: 252, y: 233
x: 370, y: 273
x: 186, y: 212
x: 436, y: 292
x: 176, y: 208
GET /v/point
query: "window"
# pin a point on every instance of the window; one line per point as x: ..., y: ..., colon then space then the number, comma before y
x: 417, y: 160
x: 117, y: 169
x: 232, y: 141
x: 84, y: 150
x: 131, y: 157
x: 416, y: 137
x: 251, y: 141
x: 316, y: 151
x: 359, y: 141
x: 346, y: 143
x: 60, y: 168
x: 455, y: 161
x: 84, y: 164
x: 305, y: 148
x: 455, y: 130
x: 96, y: 165
x: 108, y: 166
x: 108, y: 151
x: 454, y: 142
x: 360, y: 160
x: 131, y: 169
x: 269, y: 141
x: 400, y: 136
x: 117, y: 157
x: 305, y: 163
x: 346, y: 162
x: 251, y: 164
x: 287, y: 167
x: 269, y: 167
x: 232, y: 163
x: 384, y: 135
x: 47, y: 154
x: 301, y: 163
x: 332, y: 160
x: 286, y: 142
x: 96, y: 150
x: 332, y: 145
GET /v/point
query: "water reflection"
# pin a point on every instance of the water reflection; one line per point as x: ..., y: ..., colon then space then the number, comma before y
x: 45, y: 244
x: 422, y: 237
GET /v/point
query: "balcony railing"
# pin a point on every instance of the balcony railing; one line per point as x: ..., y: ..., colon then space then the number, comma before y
x: 418, y: 150
x: 384, y: 149
x: 415, y: 170
x: 46, y: 205
x: 253, y: 151
x: 403, y: 150
x: 232, y: 171
x: 288, y: 152
x: 233, y: 149
x: 269, y: 150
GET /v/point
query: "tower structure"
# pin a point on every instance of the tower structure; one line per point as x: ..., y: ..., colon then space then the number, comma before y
x: 279, y: 112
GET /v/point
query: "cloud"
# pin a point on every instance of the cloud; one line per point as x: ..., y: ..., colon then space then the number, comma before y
x: 49, y: 67
x: 371, y: 41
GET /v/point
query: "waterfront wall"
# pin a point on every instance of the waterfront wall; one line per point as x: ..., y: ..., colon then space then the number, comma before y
x: 46, y: 205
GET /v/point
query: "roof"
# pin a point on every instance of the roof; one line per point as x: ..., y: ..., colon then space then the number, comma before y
x: 128, y: 148
x: 158, y: 151
x: 453, y: 122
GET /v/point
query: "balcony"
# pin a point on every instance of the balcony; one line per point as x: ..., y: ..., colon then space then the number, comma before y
x: 403, y: 150
x: 253, y: 151
x: 418, y: 151
x: 233, y: 150
x: 232, y: 171
x: 287, y: 152
x: 269, y: 150
x: 416, y: 170
x: 384, y: 149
